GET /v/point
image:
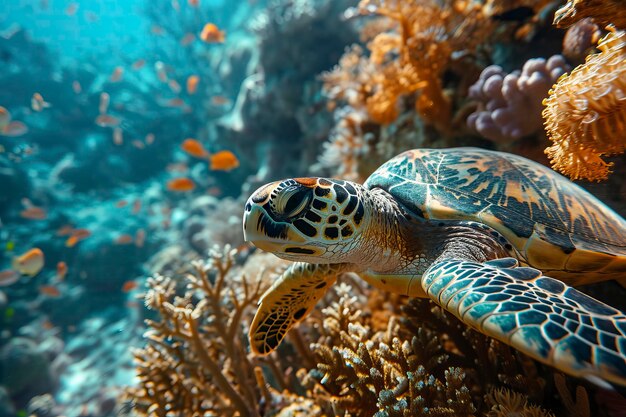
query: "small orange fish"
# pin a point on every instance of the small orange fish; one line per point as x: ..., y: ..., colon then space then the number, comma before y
x: 174, y: 86
x: 71, y: 9
x: 118, y: 138
x: 128, y: 286
x: 14, y: 129
x: 139, y: 64
x: 156, y: 30
x: 149, y: 139
x: 124, y: 239
x: 219, y: 100
x: 76, y: 87
x: 8, y: 277
x: 76, y: 236
x: 116, y: 75
x: 192, y: 84
x: 106, y: 120
x: 71, y: 242
x: 211, y: 34
x: 136, y: 206
x: 30, y: 263
x: 121, y: 203
x: 34, y: 213
x: 224, y: 161
x: 193, y: 3
x: 103, y: 106
x: 61, y: 271
x: 140, y: 238
x: 194, y: 148
x: 37, y: 103
x: 187, y: 39
x: 49, y: 290
x: 181, y: 184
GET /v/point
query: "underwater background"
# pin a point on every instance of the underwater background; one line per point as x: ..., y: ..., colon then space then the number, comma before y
x: 133, y: 131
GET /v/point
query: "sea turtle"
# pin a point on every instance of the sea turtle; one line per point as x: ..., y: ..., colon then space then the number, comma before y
x: 472, y: 229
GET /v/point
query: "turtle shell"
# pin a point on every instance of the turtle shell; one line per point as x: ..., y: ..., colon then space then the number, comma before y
x: 552, y: 223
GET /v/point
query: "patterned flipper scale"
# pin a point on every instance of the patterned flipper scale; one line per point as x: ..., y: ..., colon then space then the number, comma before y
x: 288, y: 301
x: 538, y: 315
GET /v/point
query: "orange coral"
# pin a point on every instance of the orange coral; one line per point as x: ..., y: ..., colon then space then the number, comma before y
x: 413, y: 56
x: 603, y: 12
x: 585, y: 115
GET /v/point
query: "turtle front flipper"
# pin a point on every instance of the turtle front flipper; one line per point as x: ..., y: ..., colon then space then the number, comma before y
x: 289, y: 300
x: 538, y: 315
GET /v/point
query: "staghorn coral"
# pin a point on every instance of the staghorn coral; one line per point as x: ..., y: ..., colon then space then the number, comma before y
x: 603, y: 12
x: 195, y: 361
x: 510, y: 104
x: 585, y: 114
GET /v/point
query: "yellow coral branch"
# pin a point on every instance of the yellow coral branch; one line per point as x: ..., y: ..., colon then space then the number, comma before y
x: 585, y: 114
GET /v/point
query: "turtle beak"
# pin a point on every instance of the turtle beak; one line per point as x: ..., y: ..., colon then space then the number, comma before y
x: 261, y: 230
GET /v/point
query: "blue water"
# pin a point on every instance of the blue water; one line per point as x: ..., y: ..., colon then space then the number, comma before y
x: 118, y: 24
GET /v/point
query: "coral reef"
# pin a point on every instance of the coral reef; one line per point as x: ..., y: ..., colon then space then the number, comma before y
x: 585, y: 115
x: 423, y: 41
x: 195, y: 361
x: 418, y: 61
x: 362, y: 353
x: 510, y: 105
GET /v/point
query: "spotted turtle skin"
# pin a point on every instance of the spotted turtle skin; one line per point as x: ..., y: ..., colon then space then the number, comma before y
x: 551, y: 223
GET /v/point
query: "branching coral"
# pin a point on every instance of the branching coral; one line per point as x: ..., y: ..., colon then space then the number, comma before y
x: 366, y: 373
x: 367, y: 353
x: 510, y: 104
x: 603, y: 12
x: 421, y: 363
x: 423, y: 40
x: 585, y: 115
x: 195, y: 361
x: 429, y: 36
x: 415, y: 52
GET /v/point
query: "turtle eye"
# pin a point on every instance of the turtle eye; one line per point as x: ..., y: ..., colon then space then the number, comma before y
x: 291, y: 202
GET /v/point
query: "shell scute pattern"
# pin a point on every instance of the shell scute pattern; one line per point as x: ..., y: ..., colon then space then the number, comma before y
x: 553, y: 223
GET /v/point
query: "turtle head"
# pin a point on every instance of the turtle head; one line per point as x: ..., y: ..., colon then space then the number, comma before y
x: 314, y: 220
